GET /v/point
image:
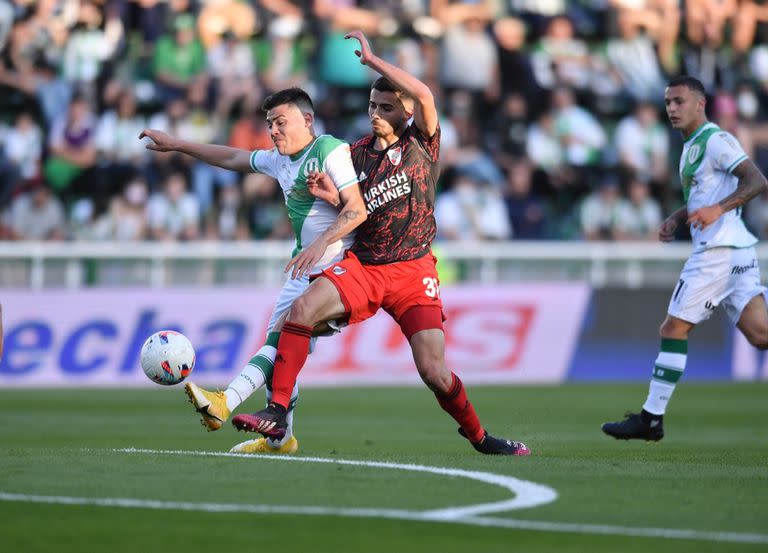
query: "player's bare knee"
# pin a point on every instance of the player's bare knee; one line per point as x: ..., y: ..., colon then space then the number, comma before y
x: 758, y: 337
x: 302, y: 312
x: 674, y: 328
x: 435, y: 375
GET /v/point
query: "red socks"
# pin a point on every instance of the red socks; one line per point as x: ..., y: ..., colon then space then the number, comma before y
x: 456, y: 404
x: 292, y: 351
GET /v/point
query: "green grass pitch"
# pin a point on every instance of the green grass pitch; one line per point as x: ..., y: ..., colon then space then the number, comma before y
x: 709, y: 475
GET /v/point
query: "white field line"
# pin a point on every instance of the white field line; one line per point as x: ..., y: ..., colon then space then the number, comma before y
x: 526, y: 494
x: 394, y: 514
x: 533, y: 494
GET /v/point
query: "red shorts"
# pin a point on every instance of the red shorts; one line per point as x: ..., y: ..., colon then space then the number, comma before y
x: 394, y: 287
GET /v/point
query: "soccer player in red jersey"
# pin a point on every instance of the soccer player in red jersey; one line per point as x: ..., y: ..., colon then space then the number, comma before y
x: 390, y: 265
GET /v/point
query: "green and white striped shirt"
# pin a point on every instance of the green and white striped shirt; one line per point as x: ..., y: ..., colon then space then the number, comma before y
x: 709, y: 156
x: 310, y: 216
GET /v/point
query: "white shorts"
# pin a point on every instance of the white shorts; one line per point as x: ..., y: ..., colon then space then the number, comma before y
x: 292, y: 289
x: 719, y: 276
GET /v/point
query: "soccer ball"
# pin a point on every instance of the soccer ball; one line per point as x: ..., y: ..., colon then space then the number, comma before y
x: 167, y: 357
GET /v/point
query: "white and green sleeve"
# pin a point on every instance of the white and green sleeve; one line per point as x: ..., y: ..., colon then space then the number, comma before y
x: 338, y: 166
x: 265, y: 161
x: 725, y: 151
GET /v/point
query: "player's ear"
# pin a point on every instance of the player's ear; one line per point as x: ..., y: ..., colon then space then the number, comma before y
x: 309, y: 120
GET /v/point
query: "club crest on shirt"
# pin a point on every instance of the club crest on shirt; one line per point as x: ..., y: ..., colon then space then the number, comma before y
x: 311, y: 166
x: 395, y: 155
x: 337, y: 270
x: 693, y: 153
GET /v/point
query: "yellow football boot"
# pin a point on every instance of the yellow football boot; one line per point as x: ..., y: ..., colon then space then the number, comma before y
x: 260, y: 445
x: 211, y: 405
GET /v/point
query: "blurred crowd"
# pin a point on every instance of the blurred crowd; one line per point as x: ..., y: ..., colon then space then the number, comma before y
x: 552, y: 115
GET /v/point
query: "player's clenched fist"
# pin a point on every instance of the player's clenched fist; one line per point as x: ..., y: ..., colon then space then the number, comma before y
x: 160, y: 141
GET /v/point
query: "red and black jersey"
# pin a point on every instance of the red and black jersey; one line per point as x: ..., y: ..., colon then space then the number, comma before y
x: 398, y: 186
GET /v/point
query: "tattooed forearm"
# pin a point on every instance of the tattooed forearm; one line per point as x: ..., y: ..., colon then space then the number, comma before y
x: 349, y: 219
x: 752, y: 183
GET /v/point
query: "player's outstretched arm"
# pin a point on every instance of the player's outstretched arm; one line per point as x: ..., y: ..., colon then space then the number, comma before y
x: 233, y: 159
x: 425, y: 112
x: 752, y: 183
x: 351, y: 216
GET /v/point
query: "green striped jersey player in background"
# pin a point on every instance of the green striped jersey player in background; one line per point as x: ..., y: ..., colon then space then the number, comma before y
x: 718, y: 179
x: 323, y: 232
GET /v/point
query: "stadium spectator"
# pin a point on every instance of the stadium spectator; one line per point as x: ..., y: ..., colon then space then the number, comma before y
x: 579, y: 132
x: 514, y: 65
x: 725, y: 113
x: 92, y: 41
x: 249, y: 131
x: 471, y: 210
x: 221, y: 19
x: 600, y: 211
x: 72, y: 148
x: 639, y: 216
x: 525, y: 209
x: 469, y: 58
x: 560, y: 58
x: 36, y: 215
x: 508, y: 130
x: 233, y: 72
x: 227, y: 219
x: 42, y: 85
x: 24, y: 147
x: 283, y: 57
x: 126, y: 219
x: 173, y: 213
x: 120, y: 154
x: 632, y: 56
x: 612, y: 54
x: 263, y: 203
x: 642, y: 144
x: 179, y: 59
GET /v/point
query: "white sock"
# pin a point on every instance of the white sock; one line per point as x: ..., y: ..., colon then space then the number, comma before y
x: 667, y: 370
x: 251, y: 378
x: 659, y: 395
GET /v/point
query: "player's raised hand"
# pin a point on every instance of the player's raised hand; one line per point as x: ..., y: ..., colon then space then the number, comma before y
x: 668, y: 228
x: 705, y: 216
x: 302, y: 263
x: 364, y: 53
x: 320, y: 185
x: 160, y: 141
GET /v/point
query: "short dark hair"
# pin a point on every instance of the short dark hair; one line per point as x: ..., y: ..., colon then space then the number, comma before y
x: 691, y: 82
x: 382, y: 84
x: 293, y: 95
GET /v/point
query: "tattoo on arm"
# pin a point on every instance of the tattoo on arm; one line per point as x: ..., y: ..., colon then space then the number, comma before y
x: 336, y: 230
x: 751, y: 183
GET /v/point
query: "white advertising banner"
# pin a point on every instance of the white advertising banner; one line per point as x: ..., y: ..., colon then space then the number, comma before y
x: 495, y: 334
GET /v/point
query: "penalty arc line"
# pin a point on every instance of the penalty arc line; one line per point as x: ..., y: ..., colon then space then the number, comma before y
x: 458, y: 515
x: 526, y: 494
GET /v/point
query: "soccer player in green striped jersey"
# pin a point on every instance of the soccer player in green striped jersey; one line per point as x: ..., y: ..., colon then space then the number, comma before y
x: 718, y: 179
x: 323, y: 232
